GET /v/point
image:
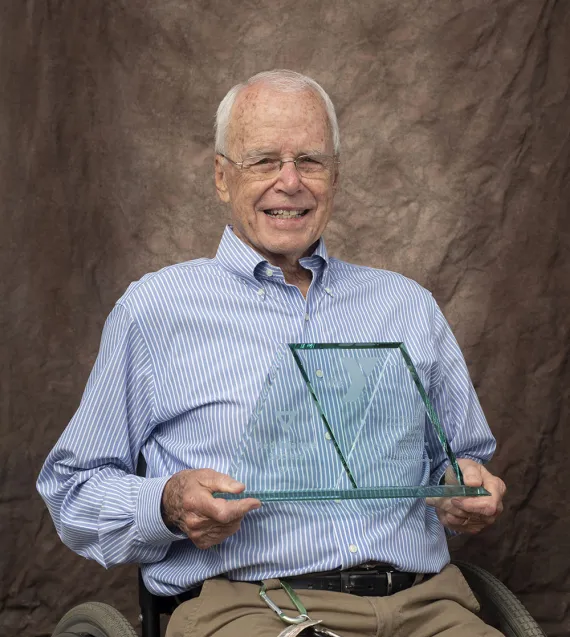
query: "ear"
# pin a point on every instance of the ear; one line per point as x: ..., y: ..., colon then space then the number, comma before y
x: 336, y: 176
x: 220, y: 176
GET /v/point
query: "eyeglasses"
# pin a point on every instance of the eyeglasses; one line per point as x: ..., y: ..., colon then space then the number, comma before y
x: 266, y: 167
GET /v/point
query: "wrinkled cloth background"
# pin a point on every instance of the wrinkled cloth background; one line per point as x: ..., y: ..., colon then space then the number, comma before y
x: 455, y: 117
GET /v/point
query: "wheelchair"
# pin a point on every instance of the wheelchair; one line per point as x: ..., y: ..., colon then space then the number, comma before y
x: 499, y: 608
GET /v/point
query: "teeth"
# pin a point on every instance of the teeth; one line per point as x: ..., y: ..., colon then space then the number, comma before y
x: 285, y: 214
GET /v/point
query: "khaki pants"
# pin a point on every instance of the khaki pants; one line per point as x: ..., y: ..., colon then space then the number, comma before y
x: 442, y: 605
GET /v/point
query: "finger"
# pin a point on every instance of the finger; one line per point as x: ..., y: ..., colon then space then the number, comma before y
x: 445, y: 507
x: 212, y: 510
x: 493, y: 484
x: 224, y: 511
x: 471, y: 530
x: 457, y: 514
x: 206, y: 537
x: 478, y: 520
x: 502, y: 488
x: 464, y: 524
x: 456, y: 507
x: 200, y: 524
x: 483, y: 505
x: 215, y: 481
x: 432, y: 502
x: 465, y: 507
x: 239, y: 508
x: 453, y: 520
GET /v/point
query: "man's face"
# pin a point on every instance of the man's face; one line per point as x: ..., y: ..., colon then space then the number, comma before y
x: 266, y: 121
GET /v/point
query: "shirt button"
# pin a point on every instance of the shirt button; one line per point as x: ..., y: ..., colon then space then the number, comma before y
x: 307, y: 317
x: 328, y: 436
x: 328, y: 291
x: 319, y: 373
x: 261, y: 291
x: 353, y: 548
x: 269, y: 272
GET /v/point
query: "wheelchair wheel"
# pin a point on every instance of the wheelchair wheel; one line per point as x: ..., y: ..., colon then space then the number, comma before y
x: 94, y: 619
x: 512, y: 617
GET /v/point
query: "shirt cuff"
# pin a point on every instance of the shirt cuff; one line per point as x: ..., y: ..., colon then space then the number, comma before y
x: 148, y: 516
x: 437, y: 475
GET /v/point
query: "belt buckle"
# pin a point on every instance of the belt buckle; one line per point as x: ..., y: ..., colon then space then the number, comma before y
x: 345, y: 584
x: 388, y: 573
x: 368, y: 582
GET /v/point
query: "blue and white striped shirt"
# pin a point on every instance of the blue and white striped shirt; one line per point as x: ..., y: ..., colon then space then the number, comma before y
x: 183, y: 358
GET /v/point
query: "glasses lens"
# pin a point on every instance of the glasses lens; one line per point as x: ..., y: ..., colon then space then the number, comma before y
x: 262, y: 165
x: 314, y: 165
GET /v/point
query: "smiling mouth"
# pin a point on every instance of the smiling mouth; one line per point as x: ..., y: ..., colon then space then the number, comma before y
x: 279, y: 213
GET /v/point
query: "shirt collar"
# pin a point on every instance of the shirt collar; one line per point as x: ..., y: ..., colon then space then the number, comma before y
x: 237, y: 257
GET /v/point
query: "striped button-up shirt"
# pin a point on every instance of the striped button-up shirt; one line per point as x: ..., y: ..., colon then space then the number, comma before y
x: 183, y: 359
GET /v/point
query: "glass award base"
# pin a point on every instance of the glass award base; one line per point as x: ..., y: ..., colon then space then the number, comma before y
x: 366, y: 493
x: 344, y: 421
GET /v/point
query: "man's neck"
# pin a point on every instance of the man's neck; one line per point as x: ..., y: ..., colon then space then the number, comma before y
x: 293, y: 271
x: 296, y: 274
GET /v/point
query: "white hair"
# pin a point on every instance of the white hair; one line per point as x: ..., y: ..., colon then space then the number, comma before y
x: 283, y: 80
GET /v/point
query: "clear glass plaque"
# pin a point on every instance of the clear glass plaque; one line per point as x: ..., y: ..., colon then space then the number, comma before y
x: 342, y: 421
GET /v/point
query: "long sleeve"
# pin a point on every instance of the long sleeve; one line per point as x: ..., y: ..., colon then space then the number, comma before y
x: 100, y: 509
x: 455, y: 401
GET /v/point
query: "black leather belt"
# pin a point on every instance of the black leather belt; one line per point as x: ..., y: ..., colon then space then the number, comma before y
x: 373, y: 580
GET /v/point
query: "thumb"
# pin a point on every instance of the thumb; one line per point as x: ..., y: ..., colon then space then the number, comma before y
x: 214, y: 481
x: 472, y: 475
x: 450, y: 477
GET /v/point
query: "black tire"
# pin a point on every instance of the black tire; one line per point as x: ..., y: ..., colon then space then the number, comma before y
x: 94, y: 619
x: 512, y: 617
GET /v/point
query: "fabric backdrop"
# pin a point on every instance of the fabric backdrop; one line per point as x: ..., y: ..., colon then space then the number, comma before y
x: 455, y: 171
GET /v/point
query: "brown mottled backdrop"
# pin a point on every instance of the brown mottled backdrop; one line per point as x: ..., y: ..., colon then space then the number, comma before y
x: 455, y: 117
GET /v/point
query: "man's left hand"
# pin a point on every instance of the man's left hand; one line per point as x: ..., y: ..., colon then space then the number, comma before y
x: 470, y: 515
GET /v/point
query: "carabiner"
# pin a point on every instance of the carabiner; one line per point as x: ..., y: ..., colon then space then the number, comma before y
x: 302, y: 617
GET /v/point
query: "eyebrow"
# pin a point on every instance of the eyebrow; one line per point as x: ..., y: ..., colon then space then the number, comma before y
x: 257, y: 152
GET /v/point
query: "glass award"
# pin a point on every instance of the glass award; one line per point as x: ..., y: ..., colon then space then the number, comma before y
x: 341, y: 421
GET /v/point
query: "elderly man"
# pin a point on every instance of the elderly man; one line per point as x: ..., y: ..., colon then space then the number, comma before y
x: 182, y: 360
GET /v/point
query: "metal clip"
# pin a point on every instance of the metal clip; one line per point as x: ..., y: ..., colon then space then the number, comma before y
x: 326, y: 632
x: 388, y: 582
x: 302, y: 617
x: 294, y: 631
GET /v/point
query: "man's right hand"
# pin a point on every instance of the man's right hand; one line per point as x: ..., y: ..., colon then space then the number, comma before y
x: 188, y: 504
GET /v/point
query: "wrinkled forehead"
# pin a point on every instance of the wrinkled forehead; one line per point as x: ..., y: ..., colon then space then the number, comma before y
x: 266, y: 118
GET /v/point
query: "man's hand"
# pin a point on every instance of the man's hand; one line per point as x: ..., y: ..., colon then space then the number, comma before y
x: 187, y: 503
x: 470, y: 515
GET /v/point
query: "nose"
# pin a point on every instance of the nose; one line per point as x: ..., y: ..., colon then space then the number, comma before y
x: 288, y: 180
